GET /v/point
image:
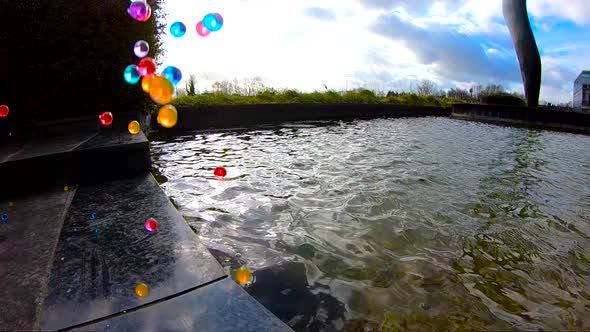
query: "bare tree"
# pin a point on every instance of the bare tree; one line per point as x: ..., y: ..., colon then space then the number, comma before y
x: 492, y: 89
x: 427, y: 88
x: 457, y: 93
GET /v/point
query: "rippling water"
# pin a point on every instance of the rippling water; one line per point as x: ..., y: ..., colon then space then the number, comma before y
x: 412, y: 224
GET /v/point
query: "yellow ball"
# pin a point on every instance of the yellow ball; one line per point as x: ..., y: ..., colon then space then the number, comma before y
x: 161, y: 90
x: 141, y: 290
x: 243, y: 275
x: 134, y: 127
x: 11, y: 204
x: 167, y: 116
x: 66, y: 188
x: 145, y: 83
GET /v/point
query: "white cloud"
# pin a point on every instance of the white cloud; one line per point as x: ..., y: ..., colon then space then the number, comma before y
x: 304, y: 44
x: 574, y: 10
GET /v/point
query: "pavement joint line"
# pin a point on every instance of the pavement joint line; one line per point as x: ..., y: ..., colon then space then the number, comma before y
x: 145, y: 305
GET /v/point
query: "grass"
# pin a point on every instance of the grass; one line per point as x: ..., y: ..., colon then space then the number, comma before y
x: 292, y: 96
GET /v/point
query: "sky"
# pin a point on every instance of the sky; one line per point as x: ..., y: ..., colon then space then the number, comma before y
x: 376, y: 44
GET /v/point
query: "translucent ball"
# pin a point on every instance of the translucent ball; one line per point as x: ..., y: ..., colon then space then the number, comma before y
x: 140, y: 11
x: 219, y: 172
x: 178, y: 29
x: 4, y: 110
x: 201, y: 30
x: 131, y: 74
x: 106, y: 118
x: 213, y: 22
x: 167, y: 116
x: 243, y: 276
x: 161, y: 90
x: 151, y: 225
x: 173, y: 74
x: 141, y: 49
x: 134, y: 127
x: 141, y: 290
x: 145, y: 83
x: 146, y: 67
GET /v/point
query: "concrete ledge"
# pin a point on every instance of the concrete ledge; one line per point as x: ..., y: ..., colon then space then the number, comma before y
x: 524, y: 117
x: 231, y: 116
x: 85, y: 158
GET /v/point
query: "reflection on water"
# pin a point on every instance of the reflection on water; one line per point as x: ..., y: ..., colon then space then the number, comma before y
x: 411, y: 224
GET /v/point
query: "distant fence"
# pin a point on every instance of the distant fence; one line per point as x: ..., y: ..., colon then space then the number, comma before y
x: 524, y: 116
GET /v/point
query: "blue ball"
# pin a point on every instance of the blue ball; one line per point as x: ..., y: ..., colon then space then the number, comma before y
x: 173, y: 74
x: 178, y: 29
x: 93, y: 215
x: 131, y: 74
x: 4, y: 218
x: 213, y: 22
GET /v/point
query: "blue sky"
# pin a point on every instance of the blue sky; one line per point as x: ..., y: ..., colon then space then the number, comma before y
x: 377, y: 44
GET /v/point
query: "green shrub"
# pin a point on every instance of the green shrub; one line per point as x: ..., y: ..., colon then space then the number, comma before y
x: 328, y: 97
x: 503, y: 99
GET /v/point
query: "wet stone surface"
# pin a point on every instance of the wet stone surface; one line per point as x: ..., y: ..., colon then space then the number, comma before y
x: 94, y: 272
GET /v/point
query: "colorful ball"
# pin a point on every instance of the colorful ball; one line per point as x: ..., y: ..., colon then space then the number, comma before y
x: 145, y: 83
x: 167, y: 116
x: 131, y: 74
x: 213, y: 22
x: 243, y: 276
x: 106, y: 118
x: 219, y: 172
x: 141, y: 48
x: 201, y: 30
x: 178, y: 29
x: 173, y: 74
x: 141, y: 290
x: 140, y: 11
x: 161, y: 90
x: 134, y: 127
x: 146, y: 67
x: 151, y: 225
x: 4, y: 110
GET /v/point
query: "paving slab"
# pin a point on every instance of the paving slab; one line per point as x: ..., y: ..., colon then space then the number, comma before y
x: 94, y: 273
x: 221, y: 306
x: 27, y: 244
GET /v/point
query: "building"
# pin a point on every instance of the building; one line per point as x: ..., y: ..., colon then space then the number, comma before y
x: 582, y: 91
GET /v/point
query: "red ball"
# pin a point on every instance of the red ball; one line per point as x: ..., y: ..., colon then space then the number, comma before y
x: 106, y: 118
x: 151, y: 225
x: 220, y: 172
x: 146, y: 67
x: 4, y: 110
x: 201, y: 30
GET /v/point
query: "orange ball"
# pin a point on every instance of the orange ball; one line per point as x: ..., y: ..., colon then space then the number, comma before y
x: 134, y: 127
x: 161, y: 90
x: 141, y: 290
x: 243, y: 275
x: 167, y: 116
x: 145, y: 83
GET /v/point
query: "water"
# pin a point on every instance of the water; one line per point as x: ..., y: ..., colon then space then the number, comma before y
x: 412, y: 224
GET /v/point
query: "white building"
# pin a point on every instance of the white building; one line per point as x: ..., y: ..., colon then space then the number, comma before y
x: 582, y: 91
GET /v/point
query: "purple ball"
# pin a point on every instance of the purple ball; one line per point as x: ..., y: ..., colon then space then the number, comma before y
x: 140, y: 11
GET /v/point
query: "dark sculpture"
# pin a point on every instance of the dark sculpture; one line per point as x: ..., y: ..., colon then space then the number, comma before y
x: 515, y: 14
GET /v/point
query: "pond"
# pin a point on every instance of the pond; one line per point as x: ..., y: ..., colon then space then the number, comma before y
x: 411, y: 224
